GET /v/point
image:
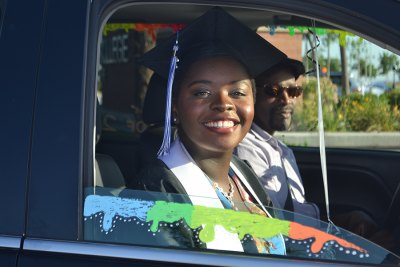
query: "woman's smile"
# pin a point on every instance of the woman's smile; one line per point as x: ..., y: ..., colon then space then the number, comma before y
x: 221, y: 126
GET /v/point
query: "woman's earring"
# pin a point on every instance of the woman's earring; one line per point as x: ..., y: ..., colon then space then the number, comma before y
x: 175, y: 120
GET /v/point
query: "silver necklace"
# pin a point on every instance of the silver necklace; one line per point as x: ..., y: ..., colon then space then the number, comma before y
x: 229, y: 195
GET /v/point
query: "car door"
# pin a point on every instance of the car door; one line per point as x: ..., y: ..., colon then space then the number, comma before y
x: 371, y: 172
x: 20, y: 36
x: 55, y: 163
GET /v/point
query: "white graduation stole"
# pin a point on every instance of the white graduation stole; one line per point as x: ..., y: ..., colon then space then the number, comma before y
x: 200, y: 192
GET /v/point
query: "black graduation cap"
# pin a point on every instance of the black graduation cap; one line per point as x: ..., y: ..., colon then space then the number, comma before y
x: 214, y: 33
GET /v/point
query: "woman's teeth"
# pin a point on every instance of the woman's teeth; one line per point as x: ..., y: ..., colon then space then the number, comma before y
x: 220, y: 124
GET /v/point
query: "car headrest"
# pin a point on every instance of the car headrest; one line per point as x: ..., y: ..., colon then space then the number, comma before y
x: 154, y: 102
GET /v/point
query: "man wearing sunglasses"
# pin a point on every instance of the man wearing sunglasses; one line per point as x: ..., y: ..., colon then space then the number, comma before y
x: 278, y: 88
x: 277, y: 91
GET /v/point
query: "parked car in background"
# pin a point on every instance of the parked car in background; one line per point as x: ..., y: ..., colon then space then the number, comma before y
x: 378, y: 88
x: 354, y: 85
x: 65, y: 158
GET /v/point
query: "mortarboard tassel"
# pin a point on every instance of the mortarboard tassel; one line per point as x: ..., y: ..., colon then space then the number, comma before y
x: 165, y: 146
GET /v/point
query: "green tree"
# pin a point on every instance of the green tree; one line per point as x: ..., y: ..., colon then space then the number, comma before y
x: 329, y: 38
x: 357, y: 53
x: 353, y: 112
x: 387, y: 61
x: 333, y: 66
x: 367, y: 69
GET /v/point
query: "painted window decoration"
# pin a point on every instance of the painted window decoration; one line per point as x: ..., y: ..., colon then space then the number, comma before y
x: 161, y: 220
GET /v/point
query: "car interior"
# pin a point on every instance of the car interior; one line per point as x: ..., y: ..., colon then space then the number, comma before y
x: 130, y: 115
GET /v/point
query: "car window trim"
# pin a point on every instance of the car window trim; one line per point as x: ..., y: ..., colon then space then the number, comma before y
x: 167, y: 255
x: 12, y: 242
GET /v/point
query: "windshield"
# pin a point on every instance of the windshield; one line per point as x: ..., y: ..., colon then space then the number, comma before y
x: 168, y: 220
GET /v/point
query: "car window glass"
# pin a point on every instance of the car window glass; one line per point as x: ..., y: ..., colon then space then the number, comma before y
x: 365, y: 114
x: 129, y: 133
x: 167, y: 220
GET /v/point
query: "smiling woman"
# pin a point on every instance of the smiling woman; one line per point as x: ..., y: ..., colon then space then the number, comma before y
x: 213, y: 109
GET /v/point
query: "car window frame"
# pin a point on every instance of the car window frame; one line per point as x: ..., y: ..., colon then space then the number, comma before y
x: 113, y: 5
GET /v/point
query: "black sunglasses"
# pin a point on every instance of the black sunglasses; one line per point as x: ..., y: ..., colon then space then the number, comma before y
x: 274, y: 90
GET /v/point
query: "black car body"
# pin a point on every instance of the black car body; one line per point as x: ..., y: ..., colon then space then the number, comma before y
x: 48, y: 70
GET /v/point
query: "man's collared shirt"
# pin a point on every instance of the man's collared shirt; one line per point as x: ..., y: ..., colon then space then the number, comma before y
x: 276, y: 167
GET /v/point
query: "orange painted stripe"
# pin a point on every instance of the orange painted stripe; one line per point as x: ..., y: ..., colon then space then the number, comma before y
x: 301, y: 232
